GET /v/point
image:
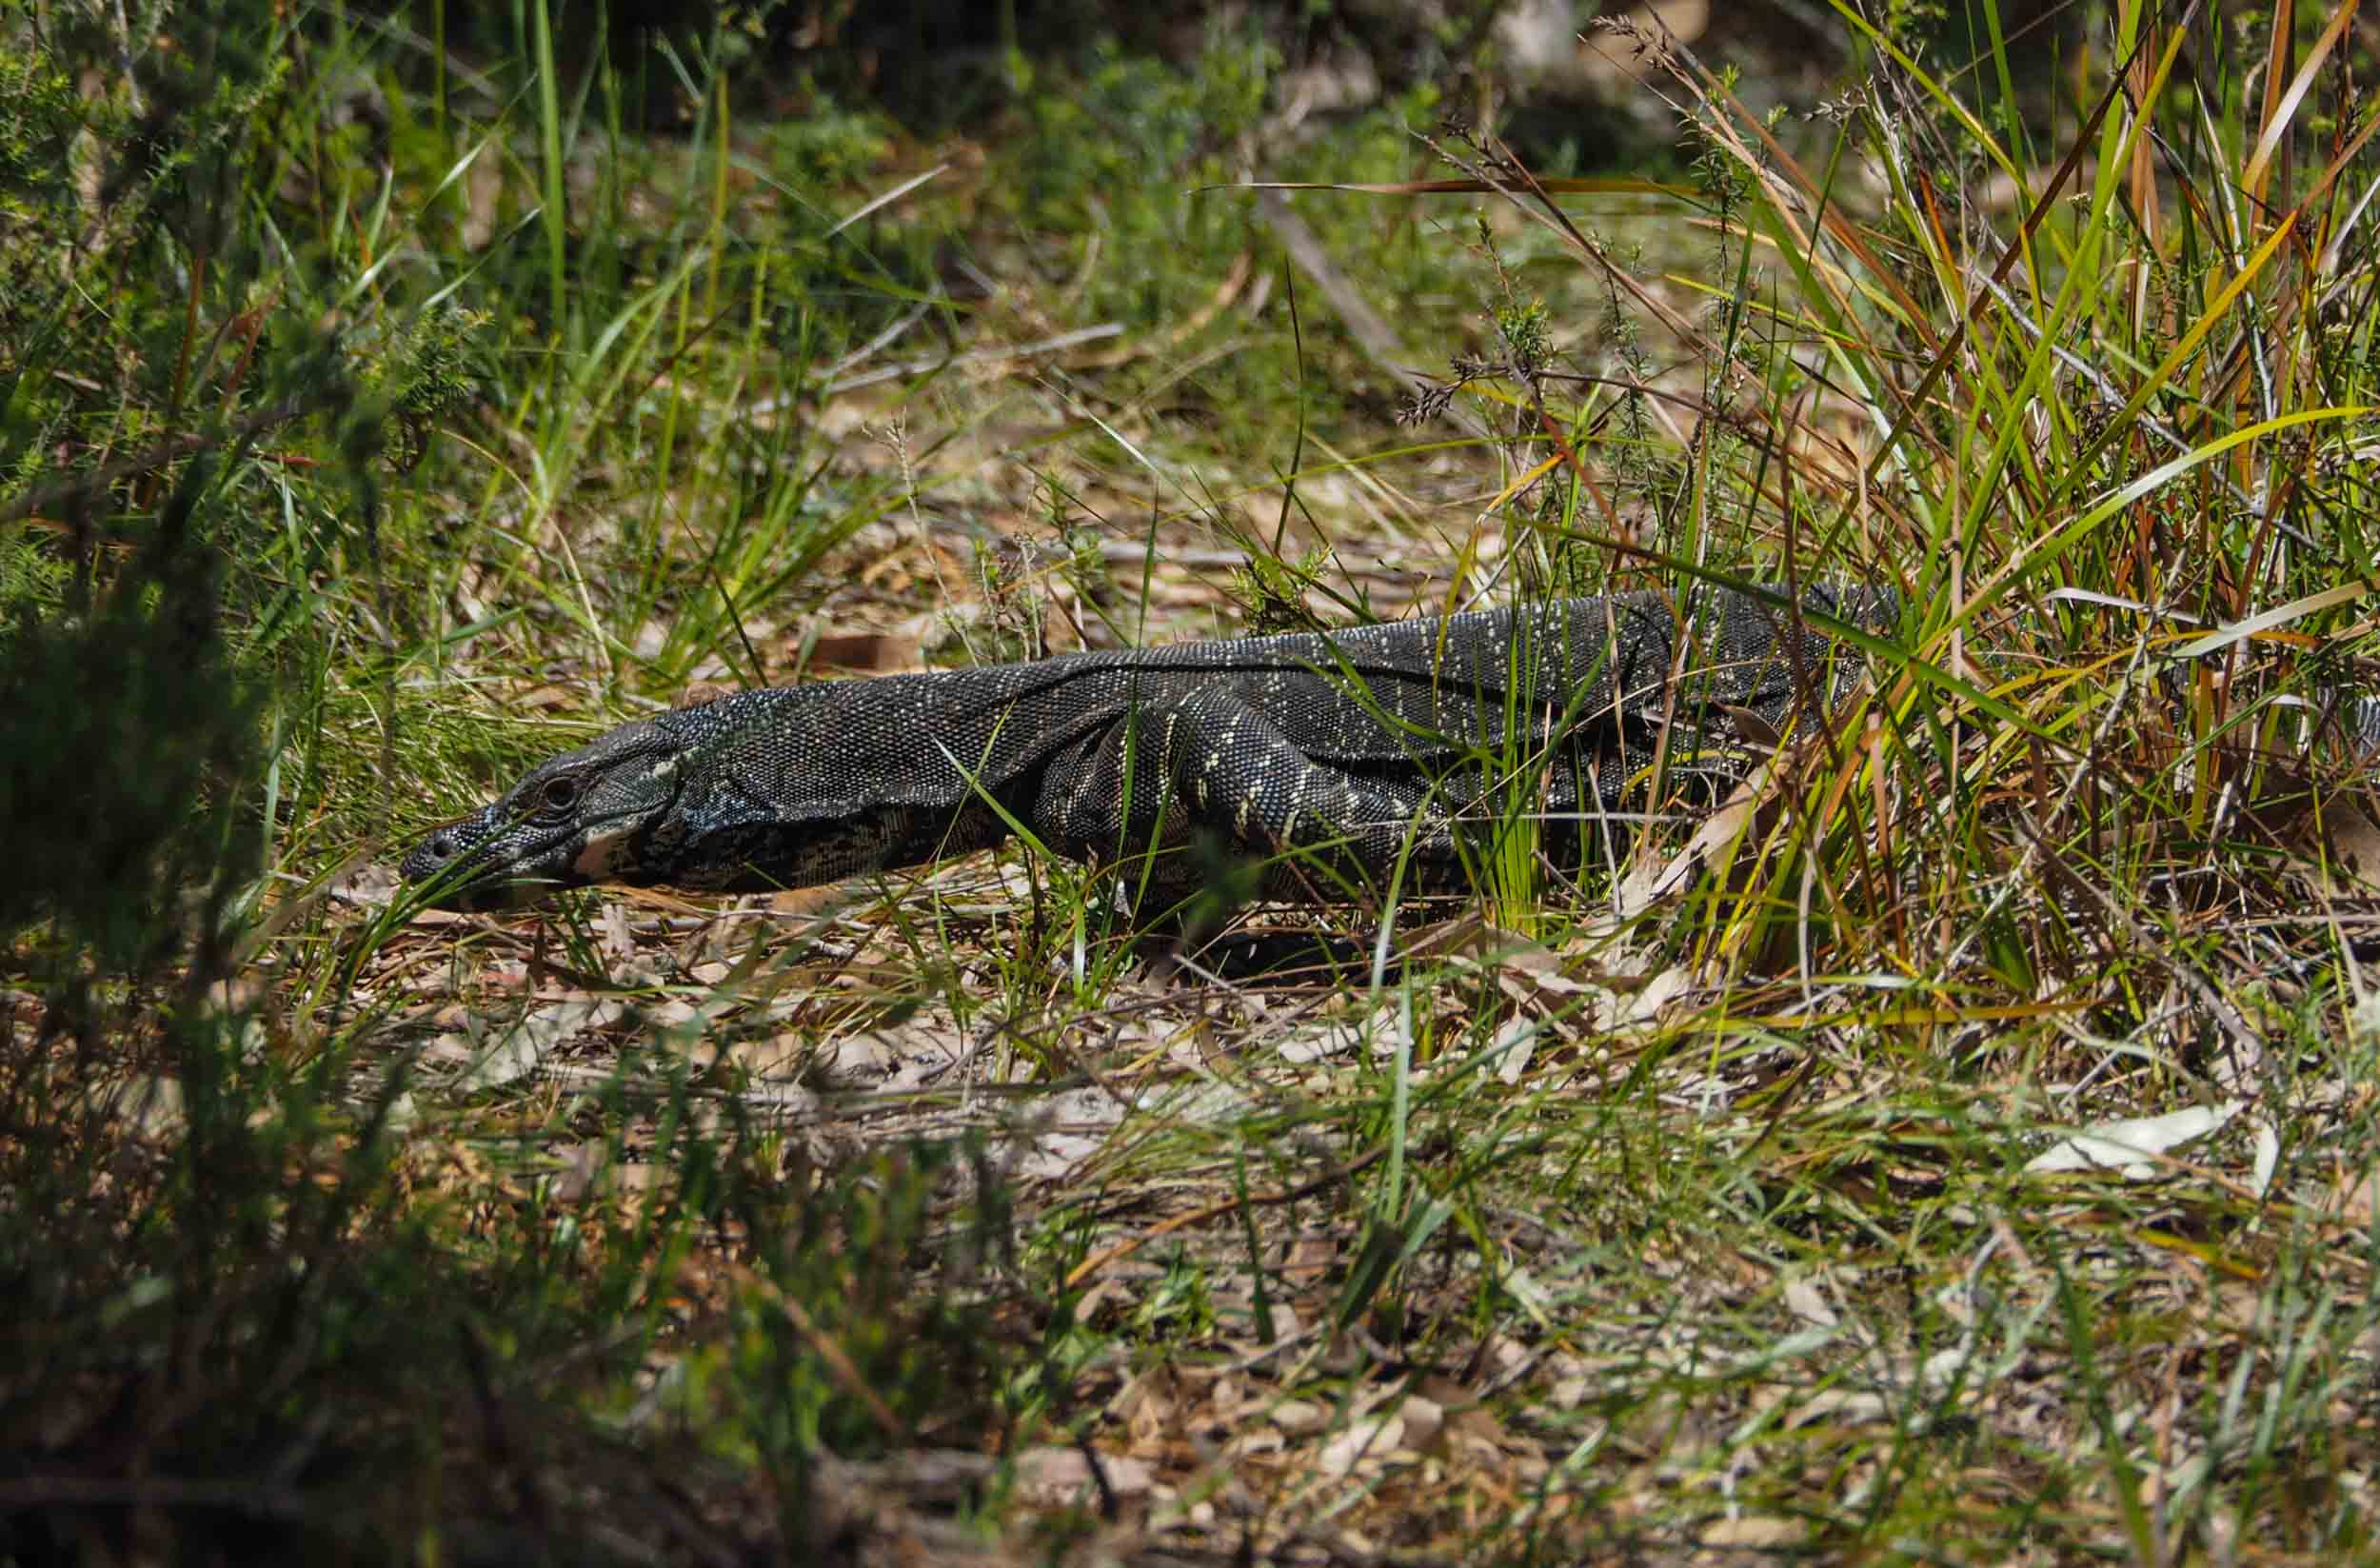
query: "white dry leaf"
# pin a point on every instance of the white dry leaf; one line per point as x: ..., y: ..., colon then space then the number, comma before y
x: 153, y: 1105
x: 1528, y: 972
x: 1262, y: 1440
x: 2267, y: 1156
x: 892, y: 1061
x: 1754, y: 1532
x: 519, y: 1050
x: 1073, y: 1125
x: 1373, y: 1436
x: 1054, y: 1475
x: 1609, y: 1014
x: 1645, y: 1003
x: 2130, y: 1147
x: 771, y: 1071
x: 613, y: 937
x: 1806, y: 1300
x: 1714, y: 844
x: 582, y: 1169
x: 1839, y: 1406
x: 1512, y: 1047
x: 1332, y: 1039
x: 1647, y: 883
x: 677, y: 1013
x: 1205, y: 1103
x: 369, y: 886
x: 1091, y: 1109
x: 1947, y: 1369
x: 1424, y: 1420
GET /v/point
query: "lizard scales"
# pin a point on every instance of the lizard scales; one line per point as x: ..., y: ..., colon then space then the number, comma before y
x: 1362, y: 745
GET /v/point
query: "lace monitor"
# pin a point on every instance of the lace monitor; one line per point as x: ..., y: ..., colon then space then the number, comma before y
x: 1332, y: 756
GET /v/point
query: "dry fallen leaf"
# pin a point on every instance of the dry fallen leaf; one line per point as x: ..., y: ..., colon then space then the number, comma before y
x: 2129, y: 1147
x: 1647, y: 882
x: 1371, y: 1436
x: 153, y: 1105
x: 2267, y: 1156
x: 518, y: 1052
x: 1425, y: 1420
x: 1756, y: 1531
x: 1310, y: 1258
x: 1052, y: 1476
x: 1515, y: 1042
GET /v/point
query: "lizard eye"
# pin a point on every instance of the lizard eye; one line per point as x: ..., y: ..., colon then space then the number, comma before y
x: 560, y: 794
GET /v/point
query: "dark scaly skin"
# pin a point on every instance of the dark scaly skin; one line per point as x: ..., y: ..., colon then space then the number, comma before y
x: 1359, y: 747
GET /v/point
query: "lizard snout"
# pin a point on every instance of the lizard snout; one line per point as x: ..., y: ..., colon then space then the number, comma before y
x: 445, y: 857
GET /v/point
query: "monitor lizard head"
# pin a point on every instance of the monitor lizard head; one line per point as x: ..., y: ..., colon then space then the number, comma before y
x: 584, y: 817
